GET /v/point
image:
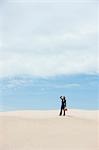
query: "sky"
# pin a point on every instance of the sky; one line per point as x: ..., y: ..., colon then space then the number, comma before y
x: 47, y: 49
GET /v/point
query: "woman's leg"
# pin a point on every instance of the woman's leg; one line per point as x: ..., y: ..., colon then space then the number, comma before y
x: 60, y: 111
x: 64, y: 112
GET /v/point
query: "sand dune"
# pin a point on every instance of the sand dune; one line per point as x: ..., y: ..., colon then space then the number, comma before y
x: 45, y: 130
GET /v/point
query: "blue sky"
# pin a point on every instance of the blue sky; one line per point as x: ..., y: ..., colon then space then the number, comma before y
x: 43, y: 93
x: 47, y: 49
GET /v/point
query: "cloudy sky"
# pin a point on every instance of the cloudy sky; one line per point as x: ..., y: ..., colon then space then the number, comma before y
x: 47, y: 40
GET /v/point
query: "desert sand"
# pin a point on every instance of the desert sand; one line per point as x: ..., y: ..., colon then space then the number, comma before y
x: 46, y: 130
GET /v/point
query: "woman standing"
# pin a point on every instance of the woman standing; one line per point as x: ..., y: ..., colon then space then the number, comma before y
x: 63, y: 105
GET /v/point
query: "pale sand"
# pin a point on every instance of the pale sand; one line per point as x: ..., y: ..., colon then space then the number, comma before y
x: 45, y: 130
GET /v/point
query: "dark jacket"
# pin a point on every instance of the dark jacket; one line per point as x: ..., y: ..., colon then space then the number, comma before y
x: 63, y: 102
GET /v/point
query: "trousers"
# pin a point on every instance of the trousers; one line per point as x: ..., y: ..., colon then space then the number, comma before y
x: 62, y: 109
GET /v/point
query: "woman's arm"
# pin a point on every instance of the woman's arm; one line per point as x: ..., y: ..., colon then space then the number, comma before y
x: 61, y: 97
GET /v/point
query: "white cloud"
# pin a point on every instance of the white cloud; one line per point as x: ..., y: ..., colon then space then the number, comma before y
x: 47, y: 40
x: 69, y: 85
x: 44, y: 85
